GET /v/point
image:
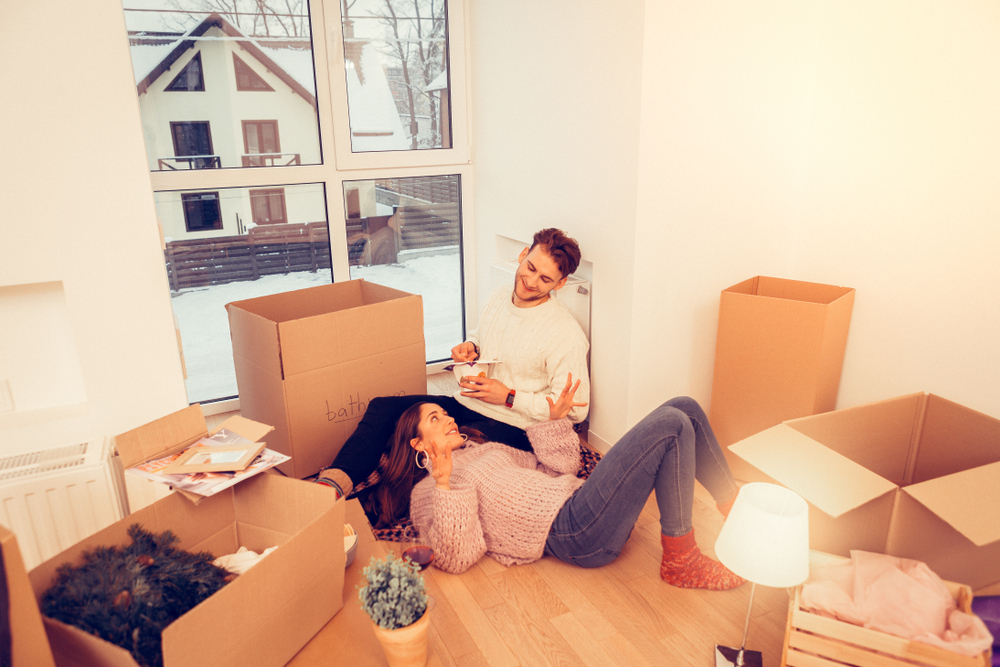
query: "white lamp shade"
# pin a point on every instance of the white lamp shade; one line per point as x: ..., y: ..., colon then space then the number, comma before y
x: 766, y: 537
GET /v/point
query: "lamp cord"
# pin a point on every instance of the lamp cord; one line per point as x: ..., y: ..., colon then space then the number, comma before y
x: 746, y: 626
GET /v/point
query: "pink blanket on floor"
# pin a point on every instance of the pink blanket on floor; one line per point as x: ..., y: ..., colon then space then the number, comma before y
x: 899, y: 596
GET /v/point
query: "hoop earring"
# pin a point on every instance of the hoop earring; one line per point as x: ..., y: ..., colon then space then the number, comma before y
x: 426, y: 459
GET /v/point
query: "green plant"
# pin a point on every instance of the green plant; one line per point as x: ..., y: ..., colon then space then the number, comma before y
x: 395, y: 596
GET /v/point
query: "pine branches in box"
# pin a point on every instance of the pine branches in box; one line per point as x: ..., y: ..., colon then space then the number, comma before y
x: 128, y: 594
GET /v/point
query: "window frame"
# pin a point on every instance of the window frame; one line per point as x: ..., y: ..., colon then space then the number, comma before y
x: 339, y: 165
x: 268, y: 193
x: 188, y: 197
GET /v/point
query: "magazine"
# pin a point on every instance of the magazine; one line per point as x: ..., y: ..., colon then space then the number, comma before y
x: 208, y: 483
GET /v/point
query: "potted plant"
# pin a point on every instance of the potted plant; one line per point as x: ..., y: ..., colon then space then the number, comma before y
x: 396, y: 601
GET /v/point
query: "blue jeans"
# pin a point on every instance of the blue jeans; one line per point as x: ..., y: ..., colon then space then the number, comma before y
x: 665, y: 452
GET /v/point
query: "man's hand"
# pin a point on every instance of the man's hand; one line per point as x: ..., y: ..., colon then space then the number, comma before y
x: 487, y: 390
x: 464, y: 352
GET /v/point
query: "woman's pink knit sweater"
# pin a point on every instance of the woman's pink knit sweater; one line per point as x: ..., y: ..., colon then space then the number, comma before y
x: 502, y: 500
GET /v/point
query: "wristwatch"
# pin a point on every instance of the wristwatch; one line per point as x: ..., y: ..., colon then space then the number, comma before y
x: 510, y: 398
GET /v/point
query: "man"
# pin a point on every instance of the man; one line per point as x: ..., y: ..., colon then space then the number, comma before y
x: 537, y: 343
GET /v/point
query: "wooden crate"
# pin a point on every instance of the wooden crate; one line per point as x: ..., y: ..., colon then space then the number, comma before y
x: 812, y: 640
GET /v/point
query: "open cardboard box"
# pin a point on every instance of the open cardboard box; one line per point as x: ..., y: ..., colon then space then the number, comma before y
x: 268, y: 613
x: 916, y: 476
x: 264, y: 616
x: 22, y: 635
x: 175, y: 433
x: 310, y: 360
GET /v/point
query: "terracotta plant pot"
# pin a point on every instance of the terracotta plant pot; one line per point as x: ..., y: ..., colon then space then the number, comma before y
x: 407, y: 646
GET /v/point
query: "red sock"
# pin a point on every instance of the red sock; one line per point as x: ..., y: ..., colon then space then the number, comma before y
x: 726, y: 506
x: 685, y: 566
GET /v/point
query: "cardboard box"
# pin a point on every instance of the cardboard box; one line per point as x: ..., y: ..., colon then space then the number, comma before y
x: 172, y: 434
x: 22, y: 636
x: 812, y: 639
x: 778, y: 355
x: 262, y: 618
x: 916, y: 476
x: 308, y: 362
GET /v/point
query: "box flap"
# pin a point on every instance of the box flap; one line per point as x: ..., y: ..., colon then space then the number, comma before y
x: 161, y: 437
x: 966, y: 500
x: 831, y: 482
x: 954, y: 438
x: 21, y: 628
x: 248, y: 428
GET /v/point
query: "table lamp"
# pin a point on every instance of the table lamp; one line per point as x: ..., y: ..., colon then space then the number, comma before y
x: 765, y: 540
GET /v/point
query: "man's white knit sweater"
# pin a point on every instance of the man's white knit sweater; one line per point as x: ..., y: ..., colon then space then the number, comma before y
x: 538, y: 347
x: 502, y: 500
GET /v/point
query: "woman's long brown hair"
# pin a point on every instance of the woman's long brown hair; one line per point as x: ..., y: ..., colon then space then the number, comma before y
x: 400, y: 473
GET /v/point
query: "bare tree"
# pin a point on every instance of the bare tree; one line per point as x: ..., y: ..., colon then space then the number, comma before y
x: 257, y: 18
x: 415, y: 40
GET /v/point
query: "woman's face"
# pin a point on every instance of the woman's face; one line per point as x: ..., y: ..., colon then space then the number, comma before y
x: 435, y: 426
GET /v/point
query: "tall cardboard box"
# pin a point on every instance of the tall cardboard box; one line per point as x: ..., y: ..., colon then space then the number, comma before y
x: 22, y: 636
x: 778, y: 355
x: 916, y: 476
x: 309, y: 361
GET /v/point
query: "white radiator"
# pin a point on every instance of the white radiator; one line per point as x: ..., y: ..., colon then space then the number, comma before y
x: 53, y: 498
x: 575, y: 294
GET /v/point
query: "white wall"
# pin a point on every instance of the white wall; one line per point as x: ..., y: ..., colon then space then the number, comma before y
x: 78, y: 209
x: 849, y: 143
x: 555, y: 141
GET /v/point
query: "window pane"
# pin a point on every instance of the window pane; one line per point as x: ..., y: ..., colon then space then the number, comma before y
x: 226, y: 257
x: 407, y: 233
x: 395, y: 54
x: 228, y: 70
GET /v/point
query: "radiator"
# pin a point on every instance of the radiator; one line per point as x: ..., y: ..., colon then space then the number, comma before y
x: 53, y: 498
x: 575, y: 294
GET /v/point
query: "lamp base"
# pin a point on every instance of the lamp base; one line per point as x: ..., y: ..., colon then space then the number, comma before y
x: 726, y: 656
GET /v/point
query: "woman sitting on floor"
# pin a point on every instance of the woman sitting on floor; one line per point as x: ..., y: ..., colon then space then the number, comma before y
x: 516, y: 506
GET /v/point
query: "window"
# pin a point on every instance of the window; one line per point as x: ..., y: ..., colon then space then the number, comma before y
x: 201, y: 211
x: 260, y: 143
x: 246, y: 78
x: 193, y: 145
x: 190, y: 78
x: 399, y: 48
x: 313, y: 202
x: 268, y: 206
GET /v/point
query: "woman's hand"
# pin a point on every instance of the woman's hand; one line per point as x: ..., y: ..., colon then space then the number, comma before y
x: 441, y: 464
x: 562, y: 405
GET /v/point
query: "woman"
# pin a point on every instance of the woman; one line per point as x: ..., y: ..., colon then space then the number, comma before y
x: 516, y: 506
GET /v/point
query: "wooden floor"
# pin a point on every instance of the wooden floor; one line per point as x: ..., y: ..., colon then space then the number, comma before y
x: 551, y: 613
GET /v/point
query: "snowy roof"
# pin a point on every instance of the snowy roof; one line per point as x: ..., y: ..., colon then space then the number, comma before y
x: 291, y: 65
x: 375, y: 122
x: 440, y: 82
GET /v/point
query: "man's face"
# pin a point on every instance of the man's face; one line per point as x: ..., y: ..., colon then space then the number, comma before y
x: 537, y: 275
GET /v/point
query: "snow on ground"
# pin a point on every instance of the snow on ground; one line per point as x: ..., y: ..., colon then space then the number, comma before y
x: 204, y: 324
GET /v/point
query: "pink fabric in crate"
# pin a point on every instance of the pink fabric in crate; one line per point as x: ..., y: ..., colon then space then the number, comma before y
x: 898, y: 596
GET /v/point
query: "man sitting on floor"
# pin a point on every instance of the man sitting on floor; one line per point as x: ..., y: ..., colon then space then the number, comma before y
x: 538, y: 344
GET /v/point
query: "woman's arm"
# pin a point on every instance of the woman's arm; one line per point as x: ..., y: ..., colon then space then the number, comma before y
x: 448, y: 522
x: 556, y: 444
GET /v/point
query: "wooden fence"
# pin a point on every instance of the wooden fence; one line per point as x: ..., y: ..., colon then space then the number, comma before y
x: 277, y: 249
x: 266, y: 250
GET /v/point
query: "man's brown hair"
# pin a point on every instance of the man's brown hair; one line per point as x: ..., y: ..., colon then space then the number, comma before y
x: 563, y: 250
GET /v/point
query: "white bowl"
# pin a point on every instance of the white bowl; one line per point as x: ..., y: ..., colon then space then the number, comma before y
x: 465, y: 368
x: 350, y: 543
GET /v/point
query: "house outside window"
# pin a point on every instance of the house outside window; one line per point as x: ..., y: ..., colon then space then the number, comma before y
x: 363, y: 180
